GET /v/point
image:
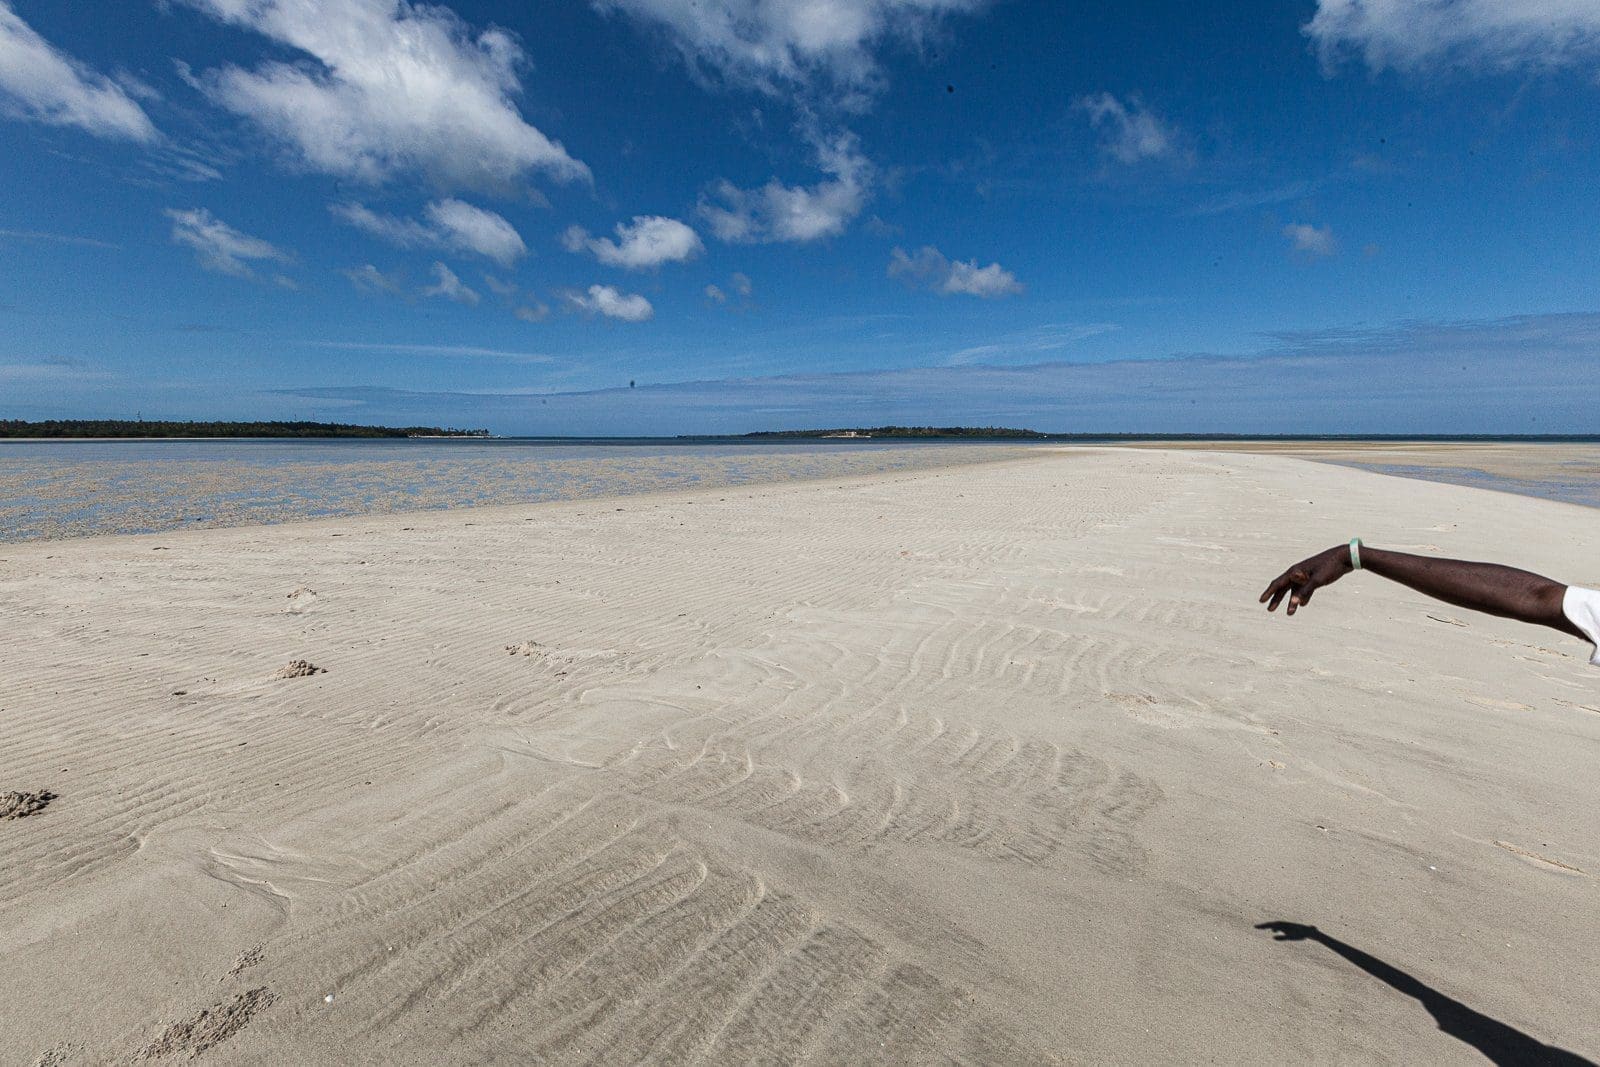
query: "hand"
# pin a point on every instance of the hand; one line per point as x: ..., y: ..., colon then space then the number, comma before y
x: 1285, y: 931
x: 1306, y: 577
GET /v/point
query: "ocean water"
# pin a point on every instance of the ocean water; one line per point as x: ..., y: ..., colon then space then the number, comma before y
x: 53, y: 489
x: 1578, y: 484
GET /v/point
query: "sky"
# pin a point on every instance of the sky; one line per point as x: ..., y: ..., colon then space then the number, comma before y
x: 624, y: 217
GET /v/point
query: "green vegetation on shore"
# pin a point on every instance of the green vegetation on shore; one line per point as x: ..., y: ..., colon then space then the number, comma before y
x: 906, y: 431
x: 140, y: 428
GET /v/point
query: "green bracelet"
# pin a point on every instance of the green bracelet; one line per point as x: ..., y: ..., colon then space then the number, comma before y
x: 1355, y: 553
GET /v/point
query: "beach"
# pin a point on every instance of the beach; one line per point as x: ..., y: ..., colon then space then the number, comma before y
x: 997, y: 762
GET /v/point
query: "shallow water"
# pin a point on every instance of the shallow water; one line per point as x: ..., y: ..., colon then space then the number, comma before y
x: 1575, y: 483
x: 53, y: 489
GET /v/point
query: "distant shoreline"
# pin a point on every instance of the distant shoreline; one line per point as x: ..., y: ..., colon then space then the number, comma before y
x: 158, y: 430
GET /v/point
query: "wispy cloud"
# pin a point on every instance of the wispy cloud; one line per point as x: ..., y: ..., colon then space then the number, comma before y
x: 40, y: 82
x: 449, y: 286
x: 928, y: 268
x: 470, y: 351
x: 452, y: 225
x: 645, y: 243
x: 370, y: 279
x: 395, y: 88
x: 1029, y: 346
x: 56, y: 238
x: 221, y: 248
x: 806, y: 47
x: 1130, y: 133
x: 1316, y: 242
x: 1496, y: 34
x: 1246, y: 199
x: 1499, y: 376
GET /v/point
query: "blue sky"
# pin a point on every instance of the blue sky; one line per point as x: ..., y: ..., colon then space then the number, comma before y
x: 1313, y: 216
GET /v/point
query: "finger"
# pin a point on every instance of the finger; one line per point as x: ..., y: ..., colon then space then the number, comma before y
x: 1272, y: 587
x: 1299, y: 597
x: 1277, y: 597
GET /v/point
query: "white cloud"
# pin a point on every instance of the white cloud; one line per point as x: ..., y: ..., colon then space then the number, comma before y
x: 1311, y: 240
x: 434, y: 350
x: 56, y: 238
x: 770, y: 44
x: 608, y: 301
x: 500, y: 287
x: 42, y: 83
x: 451, y: 224
x: 447, y: 285
x: 648, y: 241
x: 778, y: 212
x: 396, y: 87
x: 372, y: 280
x: 537, y: 311
x: 1130, y: 133
x: 929, y: 268
x: 738, y: 285
x: 220, y: 247
x: 1410, y: 34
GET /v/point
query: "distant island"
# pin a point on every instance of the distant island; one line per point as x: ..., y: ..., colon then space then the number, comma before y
x: 139, y: 428
x: 907, y: 431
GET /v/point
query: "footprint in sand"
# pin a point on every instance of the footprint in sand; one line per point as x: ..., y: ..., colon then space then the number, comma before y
x: 21, y: 805
x: 210, y: 1028
x: 525, y: 648
x: 301, y: 600
x: 298, y: 668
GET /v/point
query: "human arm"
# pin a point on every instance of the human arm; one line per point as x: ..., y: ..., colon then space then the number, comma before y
x: 1486, y: 587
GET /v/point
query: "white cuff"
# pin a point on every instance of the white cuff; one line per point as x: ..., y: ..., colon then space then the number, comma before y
x: 1582, y: 609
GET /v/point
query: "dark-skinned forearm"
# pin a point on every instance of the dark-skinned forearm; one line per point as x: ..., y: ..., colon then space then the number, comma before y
x: 1487, y: 587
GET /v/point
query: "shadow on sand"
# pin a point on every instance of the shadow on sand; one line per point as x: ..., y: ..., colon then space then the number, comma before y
x: 1501, y: 1043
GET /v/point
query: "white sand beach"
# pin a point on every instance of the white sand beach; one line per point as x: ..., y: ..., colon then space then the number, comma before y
x: 995, y: 764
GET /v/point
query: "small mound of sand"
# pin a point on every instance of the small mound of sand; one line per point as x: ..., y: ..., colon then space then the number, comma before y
x: 298, y: 668
x: 526, y: 648
x: 244, y: 961
x: 304, y: 592
x: 21, y: 805
x: 210, y: 1028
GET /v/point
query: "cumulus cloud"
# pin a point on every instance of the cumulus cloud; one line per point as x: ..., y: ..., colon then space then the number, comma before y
x: 1129, y: 132
x: 770, y: 45
x: 1410, y: 34
x: 42, y: 83
x: 221, y: 248
x: 930, y: 269
x: 388, y: 87
x: 447, y: 285
x: 778, y: 212
x: 648, y: 241
x: 450, y: 224
x: 608, y: 301
x: 1313, y: 241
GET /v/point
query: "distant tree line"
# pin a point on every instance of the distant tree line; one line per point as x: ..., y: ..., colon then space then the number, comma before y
x: 141, y: 428
x: 908, y: 431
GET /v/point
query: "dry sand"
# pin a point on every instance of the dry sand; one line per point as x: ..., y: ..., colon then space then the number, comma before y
x: 1000, y: 764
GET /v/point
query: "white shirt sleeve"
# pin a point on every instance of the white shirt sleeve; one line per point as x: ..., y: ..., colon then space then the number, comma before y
x: 1582, y: 608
